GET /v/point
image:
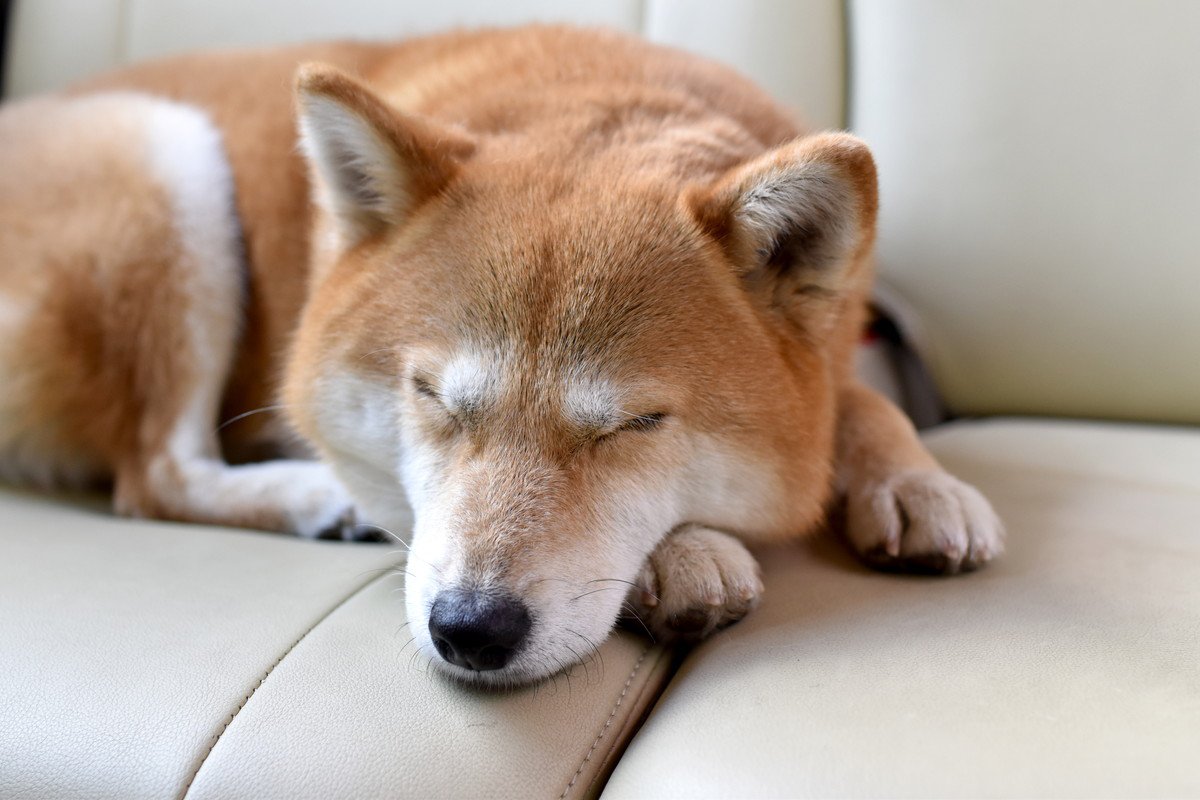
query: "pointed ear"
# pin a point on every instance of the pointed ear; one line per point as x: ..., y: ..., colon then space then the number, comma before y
x: 795, y: 221
x: 371, y: 165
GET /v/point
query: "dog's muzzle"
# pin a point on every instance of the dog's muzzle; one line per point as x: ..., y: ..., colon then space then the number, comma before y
x: 478, y: 630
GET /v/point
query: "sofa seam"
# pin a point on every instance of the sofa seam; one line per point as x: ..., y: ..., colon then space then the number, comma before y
x: 607, y: 723
x: 287, y: 651
x: 601, y: 778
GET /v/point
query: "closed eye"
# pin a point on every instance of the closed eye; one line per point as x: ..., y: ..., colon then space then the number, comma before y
x: 643, y: 422
x: 426, y: 388
x: 449, y: 418
x: 639, y: 423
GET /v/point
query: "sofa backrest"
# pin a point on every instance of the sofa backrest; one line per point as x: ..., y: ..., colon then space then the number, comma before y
x: 1039, y: 159
x: 1040, y: 176
x: 792, y: 47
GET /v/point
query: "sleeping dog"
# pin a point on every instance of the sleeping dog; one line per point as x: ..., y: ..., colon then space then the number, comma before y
x: 576, y: 310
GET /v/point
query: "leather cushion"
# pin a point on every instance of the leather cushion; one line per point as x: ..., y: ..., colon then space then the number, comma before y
x: 146, y: 659
x: 1067, y: 669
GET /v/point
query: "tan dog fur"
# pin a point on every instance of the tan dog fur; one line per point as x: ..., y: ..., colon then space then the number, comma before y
x: 586, y: 306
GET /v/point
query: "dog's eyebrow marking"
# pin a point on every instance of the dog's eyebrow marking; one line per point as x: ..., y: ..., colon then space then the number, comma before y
x: 593, y: 404
x: 470, y: 382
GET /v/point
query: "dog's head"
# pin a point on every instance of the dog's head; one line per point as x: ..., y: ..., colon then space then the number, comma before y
x: 555, y: 358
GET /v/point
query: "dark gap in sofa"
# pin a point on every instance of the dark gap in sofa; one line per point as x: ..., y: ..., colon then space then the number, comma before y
x: 5, y: 11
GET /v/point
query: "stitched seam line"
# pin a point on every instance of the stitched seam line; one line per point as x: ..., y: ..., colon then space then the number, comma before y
x: 607, y: 723
x: 600, y: 779
x: 271, y: 669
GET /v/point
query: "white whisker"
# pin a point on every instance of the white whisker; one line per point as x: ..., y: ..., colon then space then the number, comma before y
x: 243, y: 415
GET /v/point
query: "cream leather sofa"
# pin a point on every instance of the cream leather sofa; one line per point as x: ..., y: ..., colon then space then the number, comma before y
x: 1040, y: 165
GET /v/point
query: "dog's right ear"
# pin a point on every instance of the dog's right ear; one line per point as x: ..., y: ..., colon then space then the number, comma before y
x: 370, y: 164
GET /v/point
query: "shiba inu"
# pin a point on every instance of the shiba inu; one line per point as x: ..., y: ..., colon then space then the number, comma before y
x: 577, y: 310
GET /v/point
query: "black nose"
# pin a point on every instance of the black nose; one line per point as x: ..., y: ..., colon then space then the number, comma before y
x: 477, y: 630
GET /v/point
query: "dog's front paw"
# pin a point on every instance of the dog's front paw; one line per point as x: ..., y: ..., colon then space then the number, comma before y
x: 697, y: 581
x: 922, y: 521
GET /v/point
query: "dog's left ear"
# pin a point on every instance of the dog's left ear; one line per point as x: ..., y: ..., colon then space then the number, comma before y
x: 371, y: 164
x: 796, y: 221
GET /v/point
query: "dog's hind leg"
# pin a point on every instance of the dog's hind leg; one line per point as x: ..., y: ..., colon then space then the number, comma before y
x: 182, y: 360
x: 125, y: 229
x: 121, y: 294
